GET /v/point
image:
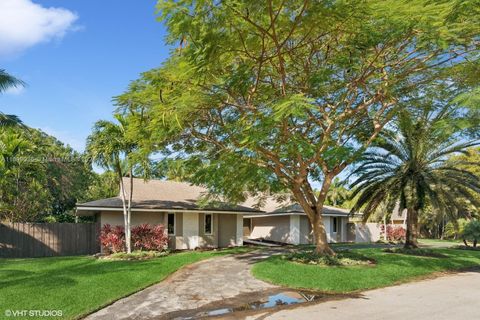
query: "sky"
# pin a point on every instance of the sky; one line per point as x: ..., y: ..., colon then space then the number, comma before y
x: 75, y: 56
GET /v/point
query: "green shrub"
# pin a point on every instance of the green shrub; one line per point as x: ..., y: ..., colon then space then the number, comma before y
x: 344, y: 258
x: 454, y: 230
x: 472, y: 233
x: 136, y: 255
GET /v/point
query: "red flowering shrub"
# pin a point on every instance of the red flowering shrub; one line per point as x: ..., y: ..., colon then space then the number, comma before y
x: 144, y: 237
x: 394, y: 233
x: 112, y: 239
x: 147, y: 237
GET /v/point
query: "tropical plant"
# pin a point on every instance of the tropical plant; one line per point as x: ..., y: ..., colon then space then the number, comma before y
x: 149, y: 237
x: 112, y: 239
x: 409, y: 164
x: 472, y: 233
x: 338, y: 195
x: 8, y: 81
x: 454, y: 229
x: 39, y: 177
x: 267, y: 96
x: 108, y: 146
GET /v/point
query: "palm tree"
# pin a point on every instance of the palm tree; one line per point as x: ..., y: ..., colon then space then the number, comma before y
x: 338, y: 194
x: 408, y: 165
x: 8, y: 81
x: 109, y: 147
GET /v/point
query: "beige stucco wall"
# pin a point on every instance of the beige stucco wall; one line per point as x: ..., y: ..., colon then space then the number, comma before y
x: 271, y: 228
x: 189, y: 227
x: 305, y: 230
x: 278, y: 228
x: 115, y: 218
x: 227, y: 233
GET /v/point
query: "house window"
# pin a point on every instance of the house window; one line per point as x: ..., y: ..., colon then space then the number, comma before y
x: 334, y: 224
x: 208, y: 224
x: 171, y: 224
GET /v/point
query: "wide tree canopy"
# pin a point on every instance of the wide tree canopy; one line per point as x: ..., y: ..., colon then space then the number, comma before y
x: 275, y: 95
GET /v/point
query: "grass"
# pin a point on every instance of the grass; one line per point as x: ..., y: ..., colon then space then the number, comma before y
x: 439, y: 243
x: 80, y: 285
x: 389, y: 270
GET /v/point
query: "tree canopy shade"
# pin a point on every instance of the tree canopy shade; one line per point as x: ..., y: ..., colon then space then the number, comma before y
x: 410, y: 165
x: 275, y: 95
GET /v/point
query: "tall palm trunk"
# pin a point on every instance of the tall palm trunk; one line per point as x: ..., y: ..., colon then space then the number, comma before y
x: 128, y: 233
x: 412, y: 229
x: 126, y: 223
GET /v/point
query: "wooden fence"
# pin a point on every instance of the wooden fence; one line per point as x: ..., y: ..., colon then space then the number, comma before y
x: 29, y: 240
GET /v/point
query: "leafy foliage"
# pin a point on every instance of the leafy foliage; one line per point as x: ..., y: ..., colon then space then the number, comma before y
x: 147, y: 237
x: 394, y: 233
x: 8, y: 81
x: 144, y: 237
x: 39, y: 176
x: 471, y: 232
x: 409, y: 165
x: 275, y: 95
x: 343, y: 258
x: 454, y: 229
x: 112, y: 239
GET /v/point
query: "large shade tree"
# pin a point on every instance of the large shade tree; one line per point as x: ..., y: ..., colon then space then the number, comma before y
x: 277, y: 95
x: 411, y: 164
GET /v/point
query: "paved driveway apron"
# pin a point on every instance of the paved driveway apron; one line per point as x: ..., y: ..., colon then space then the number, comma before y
x: 194, y: 286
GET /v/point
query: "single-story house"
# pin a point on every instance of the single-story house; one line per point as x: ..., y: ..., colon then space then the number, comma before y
x: 287, y: 222
x: 178, y: 206
x: 192, y: 222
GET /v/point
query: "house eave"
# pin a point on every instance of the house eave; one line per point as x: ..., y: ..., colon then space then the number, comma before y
x: 87, y: 211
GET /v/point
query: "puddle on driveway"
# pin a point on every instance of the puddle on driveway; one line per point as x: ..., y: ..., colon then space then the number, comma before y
x: 283, y: 298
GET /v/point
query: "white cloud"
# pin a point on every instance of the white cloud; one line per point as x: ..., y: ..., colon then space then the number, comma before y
x: 24, y: 24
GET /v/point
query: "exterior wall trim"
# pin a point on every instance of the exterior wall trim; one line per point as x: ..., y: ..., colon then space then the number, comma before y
x: 159, y: 210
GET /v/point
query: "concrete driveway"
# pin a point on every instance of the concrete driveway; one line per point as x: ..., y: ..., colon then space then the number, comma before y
x: 446, y: 298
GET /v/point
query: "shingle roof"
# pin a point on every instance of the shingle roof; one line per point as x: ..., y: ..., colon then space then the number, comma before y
x: 158, y: 194
x: 273, y: 205
x: 172, y: 195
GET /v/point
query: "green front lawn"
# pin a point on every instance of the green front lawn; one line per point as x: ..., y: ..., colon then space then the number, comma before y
x: 80, y: 285
x: 390, y: 269
x: 437, y: 243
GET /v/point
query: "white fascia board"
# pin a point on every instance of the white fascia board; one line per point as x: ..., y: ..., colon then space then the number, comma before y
x: 159, y: 210
x: 291, y: 214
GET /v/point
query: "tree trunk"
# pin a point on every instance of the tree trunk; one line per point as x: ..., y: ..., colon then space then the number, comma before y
x: 128, y: 231
x: 412, y: 229
x: 123, y: 196
x: 320, y: 237
x: 466, y: 243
